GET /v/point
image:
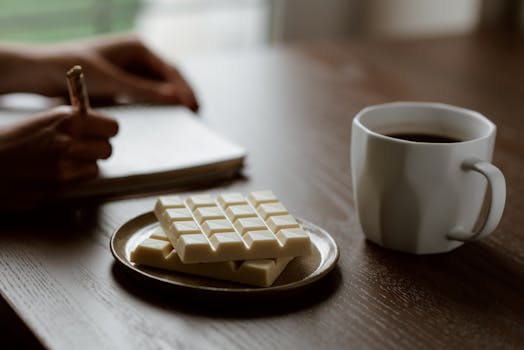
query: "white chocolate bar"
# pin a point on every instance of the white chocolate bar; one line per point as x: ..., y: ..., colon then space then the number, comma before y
x: 157, y: 251
x: 232, y: 227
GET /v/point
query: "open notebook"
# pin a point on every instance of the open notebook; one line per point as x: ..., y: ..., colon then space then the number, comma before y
x: 156, y: 147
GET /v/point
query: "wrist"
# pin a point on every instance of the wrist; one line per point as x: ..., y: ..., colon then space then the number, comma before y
x: 31, y: 69
x: 48, y: 73
x: 17, y: 67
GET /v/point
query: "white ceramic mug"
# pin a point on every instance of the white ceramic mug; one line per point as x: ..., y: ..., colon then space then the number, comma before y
x: 424, y: 197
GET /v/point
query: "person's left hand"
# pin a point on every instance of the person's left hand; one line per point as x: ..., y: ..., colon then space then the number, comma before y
x: 116, y: 68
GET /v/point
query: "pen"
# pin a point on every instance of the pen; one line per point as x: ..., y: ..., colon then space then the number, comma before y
x: 78, y: 90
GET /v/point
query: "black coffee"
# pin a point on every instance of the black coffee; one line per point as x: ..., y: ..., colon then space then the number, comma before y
x: 424, y: 138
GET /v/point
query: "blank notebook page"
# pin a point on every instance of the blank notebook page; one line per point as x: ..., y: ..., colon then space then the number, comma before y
x: 159, y: 139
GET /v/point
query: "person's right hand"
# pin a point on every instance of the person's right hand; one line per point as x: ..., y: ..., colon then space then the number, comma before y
x: 51, y: 149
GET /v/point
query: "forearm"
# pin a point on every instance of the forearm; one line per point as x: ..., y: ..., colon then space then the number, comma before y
x: 25, y: 68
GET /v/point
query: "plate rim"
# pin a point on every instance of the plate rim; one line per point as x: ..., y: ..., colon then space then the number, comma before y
x: 315, y: 276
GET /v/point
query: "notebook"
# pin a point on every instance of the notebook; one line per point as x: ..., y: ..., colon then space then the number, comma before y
x: 157, y: 147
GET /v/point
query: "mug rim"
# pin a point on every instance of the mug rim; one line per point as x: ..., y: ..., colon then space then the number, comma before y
x: 430, y: 105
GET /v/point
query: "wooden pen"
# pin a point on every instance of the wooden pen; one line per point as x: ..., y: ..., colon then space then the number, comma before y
x: 77, y: 89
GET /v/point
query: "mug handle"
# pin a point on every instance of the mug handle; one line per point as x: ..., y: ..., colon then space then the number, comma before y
x: 497, y: 187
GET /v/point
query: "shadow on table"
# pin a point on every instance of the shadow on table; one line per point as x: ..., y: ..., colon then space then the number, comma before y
x: 224, y: 305
x: 57, y: 222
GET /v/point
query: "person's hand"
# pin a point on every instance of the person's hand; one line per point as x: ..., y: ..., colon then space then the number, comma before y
x: 116, y: 68
x: 51, y: 150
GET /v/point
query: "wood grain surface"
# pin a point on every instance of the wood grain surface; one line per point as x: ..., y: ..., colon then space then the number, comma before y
x: 292, y: 107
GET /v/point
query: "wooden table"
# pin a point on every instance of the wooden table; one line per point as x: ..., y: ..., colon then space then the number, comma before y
x: 292, y: 108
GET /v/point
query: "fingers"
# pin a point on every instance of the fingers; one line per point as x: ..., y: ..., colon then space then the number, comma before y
x: 78, y: 161
x: 98, y: 125
x: 40, y: 121
x: 66, y: 119
x: 93, y: 125
x: 173, y: 76
x: 144, y: 77
x: 186, y: 93
x: 90, y: 149
x: 139, y: 89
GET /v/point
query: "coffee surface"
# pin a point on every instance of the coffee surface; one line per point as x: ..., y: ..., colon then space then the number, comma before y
x: 419, y: 137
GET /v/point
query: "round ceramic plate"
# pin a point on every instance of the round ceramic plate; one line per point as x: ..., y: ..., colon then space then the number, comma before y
x: 300, y: 272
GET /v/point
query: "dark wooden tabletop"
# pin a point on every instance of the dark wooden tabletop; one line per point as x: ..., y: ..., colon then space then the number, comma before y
x: 292, y: 107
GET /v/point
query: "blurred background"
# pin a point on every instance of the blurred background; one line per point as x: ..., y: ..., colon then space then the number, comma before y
x: 195, y: 26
